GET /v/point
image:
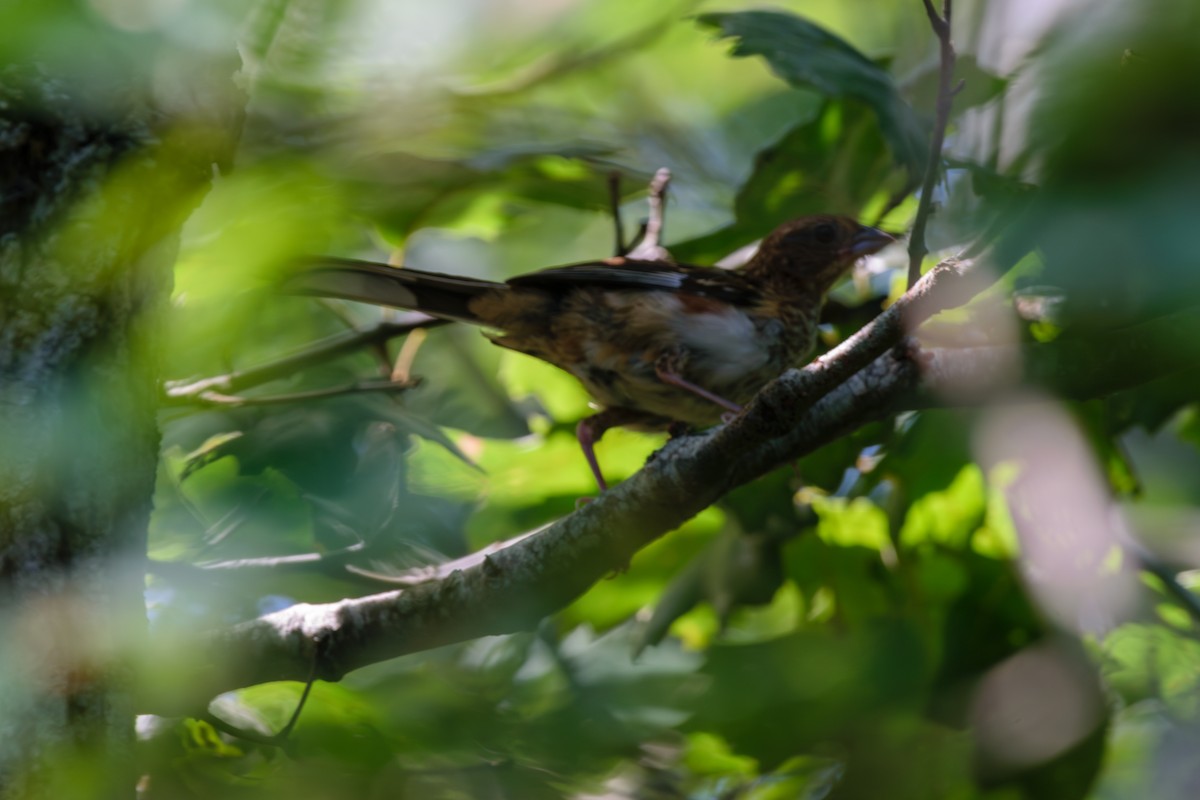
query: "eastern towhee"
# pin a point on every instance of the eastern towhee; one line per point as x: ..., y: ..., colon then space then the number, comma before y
x: 654, y: 342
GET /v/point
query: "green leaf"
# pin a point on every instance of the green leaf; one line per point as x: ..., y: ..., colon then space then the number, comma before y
x: 337, y: 722
x: 1150, y: 661
x: 806, y: 55
x: 836, y: 161
x: 1102, y: 430
x: 978, y: 85
x: 708, y: 754
x: 462, y: 387
x: 851, y: 523
x: 407, y: 421
x: 948, y: 517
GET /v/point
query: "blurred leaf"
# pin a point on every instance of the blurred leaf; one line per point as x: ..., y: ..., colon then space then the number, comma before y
x: 199, y: 735
x: 393, y: 412
x: 736, y: 569
x: 815, y: 685
x: 853, y: 523
x: 605, y: 703
x: 992, y: 185
x: 664, y: 563
x: 310, y: 443
x: 930, y: 452
x: 1152, y: 405
x: 948, y: 517
x: 836, y: 162
x: 336, y: 722
x: 213, y: 448
x: 461, y: 387
x: 804, y: 54
x: 845, y: 583
x: 922, y: 760
x: 982, y: 626
x: 402, y: 191
x: 1101, y: 431
x: 710, y: 755
x: 1150, y: 661
x: 979, y: 85
x: 1119, y: 163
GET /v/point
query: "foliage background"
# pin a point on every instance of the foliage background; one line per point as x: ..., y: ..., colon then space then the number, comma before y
x: 948, y: 604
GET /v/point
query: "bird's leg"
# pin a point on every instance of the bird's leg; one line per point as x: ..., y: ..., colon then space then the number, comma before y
x: 588, y: 432
x: 591, y: 429
x: 699, y: 391
x: 667, y: 370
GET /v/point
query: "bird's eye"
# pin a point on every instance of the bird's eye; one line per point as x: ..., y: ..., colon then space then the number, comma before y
x: 824, y: 233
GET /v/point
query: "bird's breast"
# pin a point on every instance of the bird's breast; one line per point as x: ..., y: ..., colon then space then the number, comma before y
x: 724, y: 344
x: 613, y: 341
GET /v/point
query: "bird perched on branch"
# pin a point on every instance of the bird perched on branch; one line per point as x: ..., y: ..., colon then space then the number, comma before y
x: 656, y: 343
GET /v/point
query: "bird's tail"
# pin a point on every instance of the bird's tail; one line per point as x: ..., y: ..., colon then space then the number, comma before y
x: 444, y: 296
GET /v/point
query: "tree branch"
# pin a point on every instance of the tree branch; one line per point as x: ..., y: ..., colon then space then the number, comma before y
x: 513, y: 588
x: 917, y: 249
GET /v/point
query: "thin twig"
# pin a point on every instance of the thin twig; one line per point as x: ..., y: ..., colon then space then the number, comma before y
x: 402, y: 367
x: 658, y: 207
x: 917, y: 249
x: 340, y: 564
x: 279, y: 739
x: 1186, y: 597
x: 614, y: 205
x: 286, y: 731
x: 1166, y: 573
x: 564, y: 63
x: 325, y: 350
x: 650, y: 248
x: 211, y: 398
x: 332, y: 563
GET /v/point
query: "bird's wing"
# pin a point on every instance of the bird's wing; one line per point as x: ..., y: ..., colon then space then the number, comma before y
x: 627, y: 274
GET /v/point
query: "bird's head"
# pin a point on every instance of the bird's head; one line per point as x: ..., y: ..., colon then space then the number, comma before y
x: 810, y: 253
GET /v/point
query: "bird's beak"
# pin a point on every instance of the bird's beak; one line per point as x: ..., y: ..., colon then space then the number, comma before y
x: 867, y: 241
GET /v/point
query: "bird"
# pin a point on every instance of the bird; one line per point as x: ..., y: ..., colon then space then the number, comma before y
x: 657, y: 344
